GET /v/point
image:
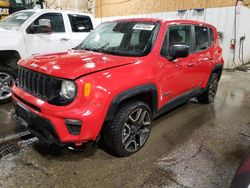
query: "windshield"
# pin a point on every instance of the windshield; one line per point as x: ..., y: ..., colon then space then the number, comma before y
x: 122, y: 38
x: 14, y: 21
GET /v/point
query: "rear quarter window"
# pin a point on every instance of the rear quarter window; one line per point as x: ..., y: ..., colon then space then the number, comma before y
x: 211, y: 35
x: 80, y: 23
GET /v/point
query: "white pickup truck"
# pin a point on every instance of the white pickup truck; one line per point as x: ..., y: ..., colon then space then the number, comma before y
x: 32, y: 32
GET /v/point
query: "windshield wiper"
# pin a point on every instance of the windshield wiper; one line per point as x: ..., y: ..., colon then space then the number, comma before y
x: 103, y: 51
x: 96, y: 50
x: 87, y: 49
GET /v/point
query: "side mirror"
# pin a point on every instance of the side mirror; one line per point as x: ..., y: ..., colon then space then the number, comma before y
x: 178, y: 51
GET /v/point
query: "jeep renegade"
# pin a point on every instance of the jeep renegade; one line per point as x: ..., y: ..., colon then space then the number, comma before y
x: 122, y: 76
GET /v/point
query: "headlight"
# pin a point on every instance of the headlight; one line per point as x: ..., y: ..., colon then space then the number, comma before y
x: 68, y: 90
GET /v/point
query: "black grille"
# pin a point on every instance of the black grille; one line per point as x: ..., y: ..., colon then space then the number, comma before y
x: 40, y: 85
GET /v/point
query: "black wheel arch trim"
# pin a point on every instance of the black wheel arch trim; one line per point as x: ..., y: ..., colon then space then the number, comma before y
x: 130, y: 93
x: 9, y: 58
x: 217, y: 67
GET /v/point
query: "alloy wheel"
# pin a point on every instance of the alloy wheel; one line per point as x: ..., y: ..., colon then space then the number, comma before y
x: 136, y: 130
x: 6, y: 81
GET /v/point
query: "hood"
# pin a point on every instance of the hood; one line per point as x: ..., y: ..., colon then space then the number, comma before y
x: 4, y: 33
x: 9, y: 39
x: 73, y: 64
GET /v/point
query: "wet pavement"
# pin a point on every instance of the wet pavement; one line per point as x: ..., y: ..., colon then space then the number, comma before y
x: 7, y: 124
x: 9, y: 129
x: 194, y: 145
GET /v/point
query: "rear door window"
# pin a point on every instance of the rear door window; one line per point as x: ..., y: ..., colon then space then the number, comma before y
x: 201, y: 38
x: 80, y: 23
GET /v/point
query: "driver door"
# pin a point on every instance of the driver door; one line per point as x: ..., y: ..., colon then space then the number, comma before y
x: 55, y: 41
x: 175, y: 75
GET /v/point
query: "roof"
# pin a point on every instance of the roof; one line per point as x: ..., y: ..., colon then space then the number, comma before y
x: 140, y: 19
x: 194, y: 22
x: 55, y: 10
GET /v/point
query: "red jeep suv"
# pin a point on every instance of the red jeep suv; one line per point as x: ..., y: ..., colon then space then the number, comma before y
x: 122, y: 76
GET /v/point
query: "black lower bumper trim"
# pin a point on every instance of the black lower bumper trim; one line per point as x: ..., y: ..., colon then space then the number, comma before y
x: 40, y: 127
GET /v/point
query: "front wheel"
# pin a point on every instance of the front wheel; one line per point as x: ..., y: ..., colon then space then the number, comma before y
x: 7, y: 79
x: 208, y: 95
x: 129, y: 129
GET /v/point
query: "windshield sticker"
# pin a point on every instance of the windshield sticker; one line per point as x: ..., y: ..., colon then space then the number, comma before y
x: 144, y: 27
x: 22, y: 17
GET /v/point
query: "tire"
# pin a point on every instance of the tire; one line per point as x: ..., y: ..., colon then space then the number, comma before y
x: 209, y: 94
x: 129, y: 130
x: 7, y: 79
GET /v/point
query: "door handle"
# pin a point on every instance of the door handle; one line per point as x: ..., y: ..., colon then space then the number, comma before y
x: 208, y: 59
x: 191, y: 64
x: 64, y: 39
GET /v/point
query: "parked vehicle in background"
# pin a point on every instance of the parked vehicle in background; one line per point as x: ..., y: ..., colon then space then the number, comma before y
x: 8, y: 7
x: 33, y: 32
x: 124, y: 74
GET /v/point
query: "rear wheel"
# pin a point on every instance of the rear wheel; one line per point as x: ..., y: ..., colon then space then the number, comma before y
x: 209, y: 94
x: 129, y: 129
x: 7, y: 79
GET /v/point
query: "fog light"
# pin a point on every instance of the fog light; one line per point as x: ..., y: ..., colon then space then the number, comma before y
x: 73, y: 125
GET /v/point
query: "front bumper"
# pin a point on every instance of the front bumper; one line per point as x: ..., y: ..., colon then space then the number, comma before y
x: 47, y: 121
x: 39, y: 127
